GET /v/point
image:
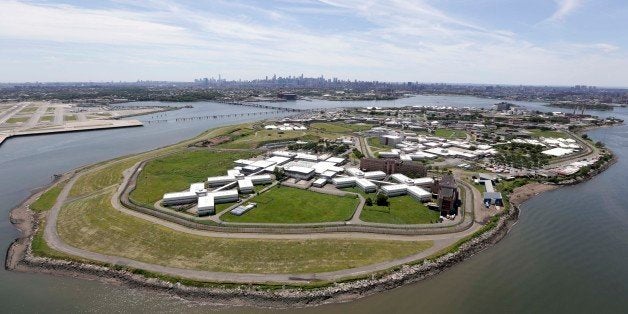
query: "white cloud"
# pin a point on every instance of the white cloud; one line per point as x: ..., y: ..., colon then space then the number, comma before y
x: 397, y: 41
x: 565, y: 8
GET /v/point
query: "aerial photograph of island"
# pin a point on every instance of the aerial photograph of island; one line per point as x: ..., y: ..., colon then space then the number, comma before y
x: 314, y: 156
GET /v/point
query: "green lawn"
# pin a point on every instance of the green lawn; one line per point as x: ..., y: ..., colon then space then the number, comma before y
x: 257, y: 138
x: 176, y: 172
x: 17, y: 119
x: 46, y: 119
x: 403, y: 210
x: 548, y: 133
x: 70, y: 117
x: 450, y: 133
x: 292, y: 205
x: 337, y: 127
x: 47, y: 199
x: 28, y: 109
x: 92, y: 224
x: 374, y: 142
x: 102, y: 178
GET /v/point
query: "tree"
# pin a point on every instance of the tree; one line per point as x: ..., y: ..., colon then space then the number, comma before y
x: 382, y: 200
x: 279, y: 173
x: 369, y: 202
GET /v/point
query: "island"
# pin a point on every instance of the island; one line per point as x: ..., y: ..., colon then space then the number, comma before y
x: 318, y: 207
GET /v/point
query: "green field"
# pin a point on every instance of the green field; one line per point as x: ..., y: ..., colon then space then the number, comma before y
x: 17, y: 119
x: 341, y: 128
x: 47, y: 199
x: 101, y: 178
x: 374, y: 142
x: 92, y: 224
x: 46, y: 119
x: 176, y: 172
x: 28, y: 109
x: 70, y: 117
x: 402, y: 210
x: 548, y: 133
x: 257, y: 138
x: 292, y: 205
x: 450, y: 133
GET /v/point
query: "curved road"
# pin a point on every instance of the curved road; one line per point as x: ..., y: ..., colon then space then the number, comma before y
x: 54, y: 241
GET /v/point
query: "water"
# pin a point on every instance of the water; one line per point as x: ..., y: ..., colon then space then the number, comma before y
x: 567, y: 254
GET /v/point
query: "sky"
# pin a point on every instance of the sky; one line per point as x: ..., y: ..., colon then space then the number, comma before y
x: 535, y: 42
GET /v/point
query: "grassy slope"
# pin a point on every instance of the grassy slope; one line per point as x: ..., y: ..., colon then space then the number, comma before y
x: 403, y: 210
x: 335, y: 127
x: 176, y: 172
x: 548, y: 133
x: 17, y: 119
x: 374, y: 142
x: 92, y: 224
x: 292, y: 205
x: 47, y: 199
x: 450, y: 133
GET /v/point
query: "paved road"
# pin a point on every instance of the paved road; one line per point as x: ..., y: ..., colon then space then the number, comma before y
x: 58, y: 120
x: 41, y: 110
x: 52, y: 238
x: 11, y: 112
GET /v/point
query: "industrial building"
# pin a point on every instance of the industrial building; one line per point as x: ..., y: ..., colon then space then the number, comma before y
x: 366, y: 185
x: 300, y: 173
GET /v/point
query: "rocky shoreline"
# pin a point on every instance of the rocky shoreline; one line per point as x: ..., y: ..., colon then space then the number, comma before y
x: 21, y: 258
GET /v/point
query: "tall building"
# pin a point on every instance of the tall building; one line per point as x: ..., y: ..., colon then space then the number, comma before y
x: 390, y: 166
x: 447, y: 195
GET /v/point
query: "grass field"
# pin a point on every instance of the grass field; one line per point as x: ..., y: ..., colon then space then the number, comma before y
x: 548, y: 133
x: 17, y: 119
x: 92, y: 224
x: 46, y: 119
x: 342, y: 128
x: 176, y: 172
x: 450, y: 133
x: 102, y: 178
x: 374, y: 142
x: 403, y: 210
x: 47, y: 199
x: 70, y: 117
x: 292, y: 205
x: 28, y: 109
x: 257, y: 138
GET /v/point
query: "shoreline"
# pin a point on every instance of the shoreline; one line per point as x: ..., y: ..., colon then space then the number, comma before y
x: 19, y: 257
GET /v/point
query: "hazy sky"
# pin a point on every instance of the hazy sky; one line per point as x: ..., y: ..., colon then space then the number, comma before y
x: 557, y: 42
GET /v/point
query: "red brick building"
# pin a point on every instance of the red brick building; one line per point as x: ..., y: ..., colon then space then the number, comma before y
x: 390, y: 166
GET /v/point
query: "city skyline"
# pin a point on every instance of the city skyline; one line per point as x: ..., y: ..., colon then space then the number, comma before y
x: 557, y: 43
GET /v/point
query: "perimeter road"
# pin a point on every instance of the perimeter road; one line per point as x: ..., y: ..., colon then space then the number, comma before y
x: 52, y: 238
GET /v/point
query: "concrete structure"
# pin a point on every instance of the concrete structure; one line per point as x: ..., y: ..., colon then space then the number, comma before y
x: 198, y: 188
x: 260, y: 179
x: 419, y: 193
x: 245, y: 186
x: 300, y: 173
x: 241, y: 210
x: 390, y: 166
x: 366, y: 185
x: 374, y: 175
x: 179, y: 198
x: 447, y: 195
x: 319, y: 183
x: 394, y: 189
x: 205, y: 205
x: 219, y: 181
x: 343, y: 182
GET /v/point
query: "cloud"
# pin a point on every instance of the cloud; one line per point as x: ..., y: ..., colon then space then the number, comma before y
x: 392, y: 40
x: 565, y: 8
